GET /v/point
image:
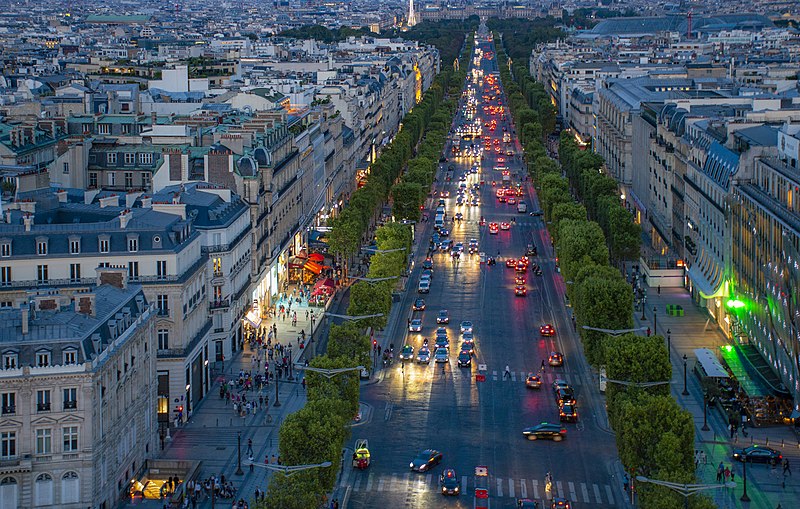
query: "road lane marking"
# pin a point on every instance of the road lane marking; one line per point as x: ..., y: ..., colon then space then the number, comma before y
x: 511, y: 488
x: 559, y: 489
x: 381, y: 483
x: 494, y: 375
x: 357, y: 484
x: 523, y: 488
x: 597, y: 494
x: 609, y: 494
x: 407, y: 481
x: 463, y: 484
x: 535, y: 488
x: 369, y: 481
x: 572, y: 494
x: 428, y: 479
x: 499, y: 487
x: 513, y: 376
x: 345, y: 477
x: 585, y: 491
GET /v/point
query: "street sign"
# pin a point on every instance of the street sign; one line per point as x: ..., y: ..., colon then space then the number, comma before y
x: 480, y: 378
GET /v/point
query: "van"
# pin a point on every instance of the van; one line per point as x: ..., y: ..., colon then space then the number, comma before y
x: 440, y: 212
x: 522, y: 207
x: 438, y: 222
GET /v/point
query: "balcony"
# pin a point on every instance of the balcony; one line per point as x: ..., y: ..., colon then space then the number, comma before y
x: 70, y: 405
x: 10, y: 410
x: 218, y: 304
x: 43, y: 407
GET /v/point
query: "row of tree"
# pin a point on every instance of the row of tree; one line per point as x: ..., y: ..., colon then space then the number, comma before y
x: 318, y: 432
x: 655, y: 436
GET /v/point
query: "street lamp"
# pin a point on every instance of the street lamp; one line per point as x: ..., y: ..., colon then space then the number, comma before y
x: 685, y: 390
x: 705, y: 412
x: 330, y: 373
x: 686, y: 490
x: 614, y: 332
x: 669, y: 341
x: 641, y: 385
x: 277, y: 403
x: 288, y: 470
x: 655, y: 323
x: 239, y: 453
x: 746, y: 458
x: 643, y: 317
x: 374, y: 279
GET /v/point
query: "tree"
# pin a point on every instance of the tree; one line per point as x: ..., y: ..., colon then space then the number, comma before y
x: 407, y: 199
x: 299, y: 491
x: 350, y: 342
x: 370, y: 299
x: 603, y: 303
x: 580, y: 242
x: 343, y: 387
x: 638, y: 359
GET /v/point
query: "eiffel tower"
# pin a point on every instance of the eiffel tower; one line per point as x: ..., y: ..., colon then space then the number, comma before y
x: 412, y: 16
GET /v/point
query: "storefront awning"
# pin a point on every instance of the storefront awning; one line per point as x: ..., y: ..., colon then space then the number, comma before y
x: 706, y: 275
x: 711, y: 366
x: 296, y: 262
x: 325, y: 282
x: 314, y: 267
x: 317, y: 238
x: 316, y: 257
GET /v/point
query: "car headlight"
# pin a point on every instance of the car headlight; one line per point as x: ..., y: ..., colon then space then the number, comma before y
x: 444, y: 488
x: 411, y: 464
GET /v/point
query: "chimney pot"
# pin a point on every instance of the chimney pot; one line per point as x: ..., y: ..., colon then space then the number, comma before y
x: 26, y: 315
x: 28, y: 221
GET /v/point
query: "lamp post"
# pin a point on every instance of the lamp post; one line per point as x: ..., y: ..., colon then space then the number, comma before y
x: 669, y: 341
x: 744, y: 497
x: 705, y: 412
x: 686, y: 490
x: 288, y: 470
x: 643, y: 305
x: 685, y: 390
x: 239, y: 453
x: 330, y: 373
x: 614, y: 332
x: 277, y: 403
x: 641, y: 385
x: 655, y: 323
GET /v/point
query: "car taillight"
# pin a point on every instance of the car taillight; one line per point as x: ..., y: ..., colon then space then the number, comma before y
x: 563, y: 431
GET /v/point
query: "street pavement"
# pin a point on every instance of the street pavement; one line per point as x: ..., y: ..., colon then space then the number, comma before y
x: 442, y: 406
x: 765, y: 487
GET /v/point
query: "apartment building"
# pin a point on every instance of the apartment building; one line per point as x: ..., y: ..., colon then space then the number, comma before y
x: 78, y: 400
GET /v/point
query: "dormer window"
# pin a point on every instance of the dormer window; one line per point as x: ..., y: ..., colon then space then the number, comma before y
x: 130, y: 158
x: 42, y: 358
x: 104, y: 243
x: 133, y: 243
x: 70, y: 356
x: 41, y: 246
x: 10, y: 360
x: 146, y: 158
x: 111, y: 158
x: 74, y: 245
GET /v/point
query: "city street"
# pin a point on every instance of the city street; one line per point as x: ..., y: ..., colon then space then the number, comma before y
x: 442, y: 406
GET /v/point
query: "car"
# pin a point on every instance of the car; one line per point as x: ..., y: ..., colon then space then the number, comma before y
x: 426, y: 278
x: 440, y: 355
x: 407, y: 353
x: 533, y: 381
x: 426, y: 460
x: 502, y: 198
x: 511, y: 200
x: 468, y: 337
x: 505, y: 226
x: 415, y: 325
x: 465, y: 326
x: 459, y: 201
x: 441, y: 343
x: 445, y: 245
x: 511, y: 263
x: 547, y: 330
x: 521, y: 266
x: 565, y: 396
x: 441, y: 331
x: 459, y: 216
x: 427, y: 264
x: 560, y: 384
x: 424, y: 286
x: 519, y: 280
x: 427, y: 273
x: 468, y: 347
x: 493, y: 228
x: 520, y: 291
x: 450, y: 482
x: 567, y: 413
x: 560, y: 503
x: 537, y: 213
x: 423, y: 355
x: 526, y: 503
x: 444, y: 317
x: 554, y: 432
x: 444, y: 232
x: 475, y: 202
x: 419, y: 305
x: 444, y: 194
x: 363, y: 374
x: 464, y: 359
x: 758, y: 454
x: 556, y: 359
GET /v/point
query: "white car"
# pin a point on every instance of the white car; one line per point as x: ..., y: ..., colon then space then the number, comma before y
x: 466, y: 326
x: 424, y: 287
x: 441, y: 355
x: 415, y: 325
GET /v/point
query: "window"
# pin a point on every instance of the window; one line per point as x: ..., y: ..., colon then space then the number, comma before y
x: 104, y: 244
x: 41, y: 247
x: 66, y: 168
x: 70, y: 398
x: 5, y: 276
x: 43, y: 400
x: 74, y: 246
x: 162, y: 302
x: 128, y: 179
x: 146, y: 158
x: 125, y: 128
x: 133, y: 271
x: 217, y: 293
x: 130, y: 158
x: 103, y: 128
x: 161, y: 268
x: 43, y: 490
x: 112, y: 178
x: 111, y: 158
x: 92, y: 179
x: 70, y: 438
x: 8, y: 445
x: 217, y: 266
x: 70, y: 487
x: 163, y: 339
x: 41, y: 273
x: 133, y: 244
x: 9, y: 361
x: 42, y: 359
x: 74, y: 272
x: 5, y: 249
x: 70, y: 356
x: 8, y: 402
x: 44, y: 441
x: 145, y: 179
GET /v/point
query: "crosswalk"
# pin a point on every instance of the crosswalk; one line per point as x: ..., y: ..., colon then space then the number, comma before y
x: 494, y: 375
x: 500, y: 487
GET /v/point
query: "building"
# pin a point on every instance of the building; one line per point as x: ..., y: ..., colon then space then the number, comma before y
x: 78, y: 399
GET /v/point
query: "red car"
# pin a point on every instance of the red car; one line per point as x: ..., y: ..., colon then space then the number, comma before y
x: 511, y: 263
x: 505, y: 226
x: 520, y: 291
x: 547, y: 330
x: 493, y: 228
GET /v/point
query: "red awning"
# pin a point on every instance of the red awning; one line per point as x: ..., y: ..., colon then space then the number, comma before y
x: 316, y: 257
x: 326, y: 282
x: 313, y: 267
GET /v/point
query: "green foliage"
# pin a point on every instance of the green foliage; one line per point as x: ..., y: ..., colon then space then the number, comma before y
x: 604, y: 303
x: 343, y: 387
x: 580, y: 242
x: 320, y: 33
x: 298, y: 491
x: 520, y: 35
x: 406, y: 200
x: 348, y: 341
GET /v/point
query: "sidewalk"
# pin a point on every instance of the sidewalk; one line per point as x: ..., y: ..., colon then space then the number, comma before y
x: 210, y: 434
x: 696, y: 330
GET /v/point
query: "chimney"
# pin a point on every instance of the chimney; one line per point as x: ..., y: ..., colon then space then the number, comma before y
x: 28, y: 222
x: 109, y: 201
x: 26, y: 315
x: 113, y: 276
x: 124, y: 217
x: 147, y: 202
x: 62, y: 196
x: 153, y: 118
x: 84, y: 304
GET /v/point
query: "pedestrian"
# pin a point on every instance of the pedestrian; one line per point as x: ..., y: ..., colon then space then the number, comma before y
x: 787, y: 470
x: 304, y: 382
x: 335, y: 503
x: 507, y: 373
x: 648, y: 332
x: 720, y: 472
x: 659, y: 289
x: 696, y: 458
x: 703, y: 458
x: 727, y: 473
x: 733, y: 475
x: 542, y: 365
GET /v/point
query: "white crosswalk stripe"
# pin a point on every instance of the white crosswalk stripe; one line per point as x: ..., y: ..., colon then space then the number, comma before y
x: 494, y: 375
x: 513, y: 376
x: 504, y: 487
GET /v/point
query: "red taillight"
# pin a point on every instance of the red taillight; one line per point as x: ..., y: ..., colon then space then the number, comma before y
x: 563, y: 431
